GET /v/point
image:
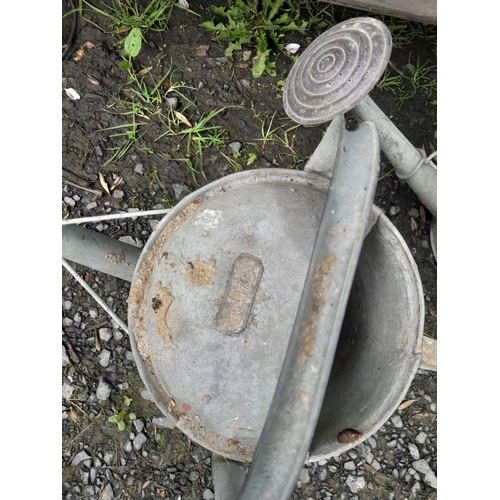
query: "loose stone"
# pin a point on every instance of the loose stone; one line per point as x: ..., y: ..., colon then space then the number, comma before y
x: 355, y: 483
x: 103, y: 390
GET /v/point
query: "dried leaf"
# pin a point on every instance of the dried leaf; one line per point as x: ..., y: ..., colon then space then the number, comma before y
x: 146, y: 484
x: 73, y: 416
x: 422, y: 214
x: 124, y: 29
x: 201, y: 50
x: 116, y: 183
x: 78, y: 55
x: 246, y: 55
x: 97, y: 344
x: 432, y: 312
x: 144, y: 71
x: 104, y: 184
x: 183, y: 119
x: 92, y: 80
x: 404, y: 405
x: 413, y: 224
x: 88, y: 45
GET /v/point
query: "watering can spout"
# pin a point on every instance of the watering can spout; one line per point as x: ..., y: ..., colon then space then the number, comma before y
x: 409, y: 162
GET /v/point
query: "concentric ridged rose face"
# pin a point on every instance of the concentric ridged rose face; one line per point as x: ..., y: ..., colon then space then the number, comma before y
x: 337, y: 70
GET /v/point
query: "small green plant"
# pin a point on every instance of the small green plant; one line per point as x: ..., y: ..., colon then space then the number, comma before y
x: 258, y: 22
x: 251, y: 159
x: 120, y: 418
x: 154, y: 178
x: 236, y: 166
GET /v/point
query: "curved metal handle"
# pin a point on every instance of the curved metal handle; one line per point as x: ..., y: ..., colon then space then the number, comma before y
x: 292, y: 418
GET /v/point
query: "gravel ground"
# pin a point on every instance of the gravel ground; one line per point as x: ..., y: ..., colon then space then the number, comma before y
x: 151, y: 459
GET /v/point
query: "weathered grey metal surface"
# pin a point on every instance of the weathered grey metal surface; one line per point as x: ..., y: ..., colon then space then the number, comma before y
x: 99, y: 252
x: 337, y: 70
x: 218, y: 387
x: 214, y: 297
x: 424, y: 11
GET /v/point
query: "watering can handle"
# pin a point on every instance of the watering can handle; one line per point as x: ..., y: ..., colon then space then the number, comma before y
x: 292, y: 418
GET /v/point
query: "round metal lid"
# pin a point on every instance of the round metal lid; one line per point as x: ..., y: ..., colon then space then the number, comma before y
x: 337, y: 70
x: 214, y: 299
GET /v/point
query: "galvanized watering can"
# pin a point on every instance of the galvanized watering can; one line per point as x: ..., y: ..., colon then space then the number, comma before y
x: 277, y: 315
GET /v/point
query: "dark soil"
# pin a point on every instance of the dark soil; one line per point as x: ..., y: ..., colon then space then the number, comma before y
x: 212, y: 82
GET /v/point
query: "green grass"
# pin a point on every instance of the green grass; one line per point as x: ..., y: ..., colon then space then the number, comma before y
x: 261, y: 24
x: 198, y: 137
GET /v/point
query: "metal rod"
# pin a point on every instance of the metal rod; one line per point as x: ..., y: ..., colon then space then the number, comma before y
x: 126, y: 215
x: 96, y: 297
x: 99, y: 252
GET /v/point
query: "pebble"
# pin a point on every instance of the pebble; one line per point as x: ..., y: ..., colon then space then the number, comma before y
x: 105, y: 334
x: 322, y: 474
x: 414, y: 451
x: 421, y: 437
x: 107, y: 492
x: 139, y: 169
x: 103, y: 390
x: 172, y: 102
x: 234, y: 147
x: 108, y: 457
x: 396, y: 421
x: 104, y: 358
x: 394, y: 210
x: 69, y: 201
x: 355, y: 483
x: 118, y: 194
x: 82, y: 456
x: 304, y: 477
x: 164, y: 422
x: 139, y: 424
x: 139, y: 440
x: 180, y: 190
x: 91, y: 205
x: 67, y: 321
x: 128, y: 446
x: 350, y: 465
x: 413, y: 212
x: 208, y: 494
x: 65, y: 359
x: 118, y: 334
x: 423, y: 467
x: 131, y: 241
x: 67, y: 390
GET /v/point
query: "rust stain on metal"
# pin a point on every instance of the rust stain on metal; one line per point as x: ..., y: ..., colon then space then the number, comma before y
x: 240, y: 293
x: 161, y: 303
x: 320, y: 282
x: 139, y: 291
x: 348, y: 436
x: 199, y: 273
